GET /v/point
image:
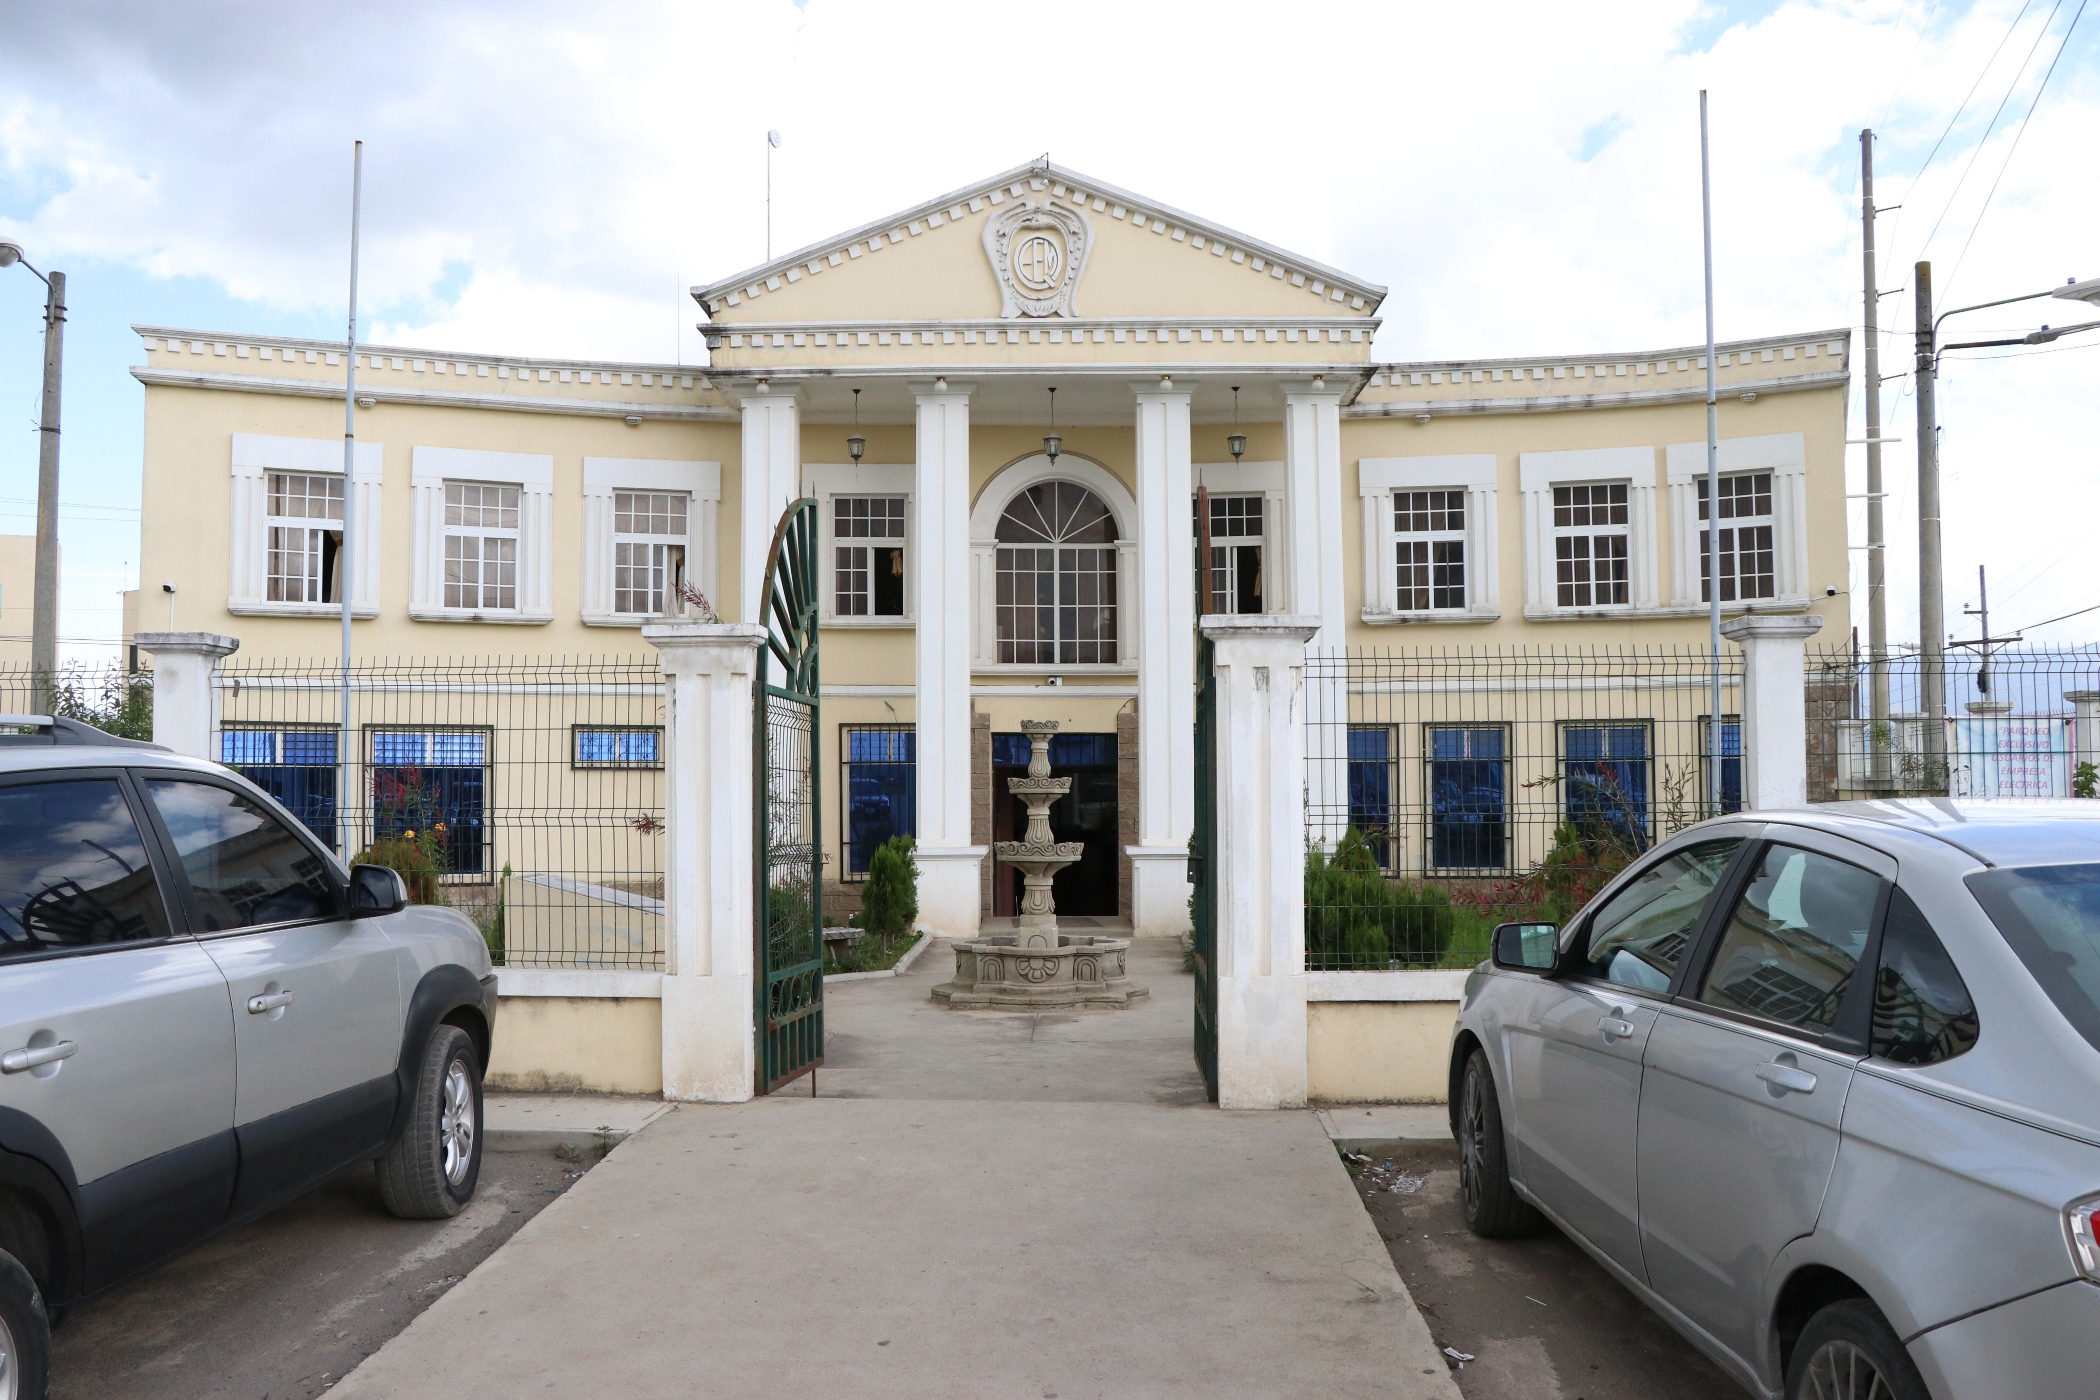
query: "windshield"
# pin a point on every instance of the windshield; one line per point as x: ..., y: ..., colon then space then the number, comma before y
x: 2050, y: 914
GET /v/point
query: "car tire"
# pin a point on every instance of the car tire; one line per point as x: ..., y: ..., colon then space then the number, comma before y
x: 1493, y: 1208
x: 1846, y: 1351
x: 25, y: 1334
x: 429, y: 1173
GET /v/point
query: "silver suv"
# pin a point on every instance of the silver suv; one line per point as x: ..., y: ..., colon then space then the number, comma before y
x: 1821, y: 1087
x: 202, y: 1014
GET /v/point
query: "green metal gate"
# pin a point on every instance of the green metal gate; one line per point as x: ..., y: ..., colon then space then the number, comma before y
x: 789, y: 986
x: 1203, y: 869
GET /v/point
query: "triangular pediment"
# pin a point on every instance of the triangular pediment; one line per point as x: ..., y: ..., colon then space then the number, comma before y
x: 1041, y: 244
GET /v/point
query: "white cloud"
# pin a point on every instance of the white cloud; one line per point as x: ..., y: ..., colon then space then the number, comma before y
x: 541, y: 177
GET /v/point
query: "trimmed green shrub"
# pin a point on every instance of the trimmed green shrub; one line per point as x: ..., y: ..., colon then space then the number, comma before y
x: 419, y: 858
x: 1355, y: 917
x: 889, y: 902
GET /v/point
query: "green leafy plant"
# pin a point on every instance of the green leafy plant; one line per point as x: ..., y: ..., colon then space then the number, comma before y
x: 890, y: 900
x: 116, y: 702
x: 2086, y: 781
x: 1357, y: 917
x: 489, y: 919
x: 418, y: 856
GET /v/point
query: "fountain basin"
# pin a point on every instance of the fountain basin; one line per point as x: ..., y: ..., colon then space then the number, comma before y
x: 1023, y: 971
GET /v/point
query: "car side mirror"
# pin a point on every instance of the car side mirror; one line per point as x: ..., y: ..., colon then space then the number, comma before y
x: 376, y: 889
x: 1526, y: 947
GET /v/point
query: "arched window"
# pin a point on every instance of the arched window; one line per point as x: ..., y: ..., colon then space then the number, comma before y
x: 1057, y: 577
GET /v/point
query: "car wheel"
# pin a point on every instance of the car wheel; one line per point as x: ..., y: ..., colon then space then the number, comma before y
x: 1494, y: 1210
x: 430, y: 1173
x: 1849, y: 1352
x: 25, y: 1334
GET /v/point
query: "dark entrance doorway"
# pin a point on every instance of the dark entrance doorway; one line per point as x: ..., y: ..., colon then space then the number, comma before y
x: 1087, y: 813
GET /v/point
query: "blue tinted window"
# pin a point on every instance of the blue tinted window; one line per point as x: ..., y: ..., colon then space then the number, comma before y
x: 239, y: 746
x: 295, y: 766
x: 881, y: 791
x: 1468, y: 798
x: 396, y: 747
x: 1607, y: 782
x: 638, y: 746
x: 310, y: 746
x: 459, y: 750
x: 1371, y: 787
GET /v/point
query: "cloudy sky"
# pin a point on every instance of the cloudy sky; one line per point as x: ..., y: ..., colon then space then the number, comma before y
x: 544, y: 178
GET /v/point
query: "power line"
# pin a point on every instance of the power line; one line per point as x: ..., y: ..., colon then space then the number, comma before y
x: 2071, y: 29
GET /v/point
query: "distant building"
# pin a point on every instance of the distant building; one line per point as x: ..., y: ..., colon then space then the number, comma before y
x: 17, y: 599
x: 520, y: 506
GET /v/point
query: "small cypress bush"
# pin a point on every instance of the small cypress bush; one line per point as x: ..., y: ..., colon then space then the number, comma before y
x: 1356, y: 918
x: 890, y: 900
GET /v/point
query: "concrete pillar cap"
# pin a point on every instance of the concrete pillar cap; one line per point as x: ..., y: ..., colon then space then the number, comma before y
x: 198, y: 643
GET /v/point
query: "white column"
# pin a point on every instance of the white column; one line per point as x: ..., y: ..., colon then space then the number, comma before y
x: 949, y: 895
x: 772, y: 477
x: 1165, y: 645
x: 709, y: 1053
x: 1775, y: 708
x: 1259, y: 665
x: 185, y: 688
x: 2085, y: 727
x: 1312, y: 465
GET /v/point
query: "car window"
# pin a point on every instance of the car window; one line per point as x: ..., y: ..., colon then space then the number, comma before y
x: 1790, y: 945
x: 244, y: 866
x: 1922, y: 1010
x: 1639, y: 936
x: 73, y: 870
x: 2050, y: 915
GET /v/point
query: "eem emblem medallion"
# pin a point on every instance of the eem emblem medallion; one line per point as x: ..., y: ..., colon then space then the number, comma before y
x: 1037, y: 253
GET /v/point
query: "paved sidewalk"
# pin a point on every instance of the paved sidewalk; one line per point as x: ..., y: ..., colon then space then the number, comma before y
x: 974, y: 1205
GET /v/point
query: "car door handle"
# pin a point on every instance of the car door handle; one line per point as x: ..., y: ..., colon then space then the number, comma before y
x: 1614, y: 1028
x: 258, y: 1005
x: 29, y: 1057
x: 1780, y: 1076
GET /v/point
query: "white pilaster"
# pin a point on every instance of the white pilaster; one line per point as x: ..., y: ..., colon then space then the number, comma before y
x: 772, y: 477
x: 1312, y: 460
x: 185, y: 688
x: 709, y: 1053
x: 1166, y: 664
x: 940, y: 561
x: 1775, y: 713
x: 1259, y: 665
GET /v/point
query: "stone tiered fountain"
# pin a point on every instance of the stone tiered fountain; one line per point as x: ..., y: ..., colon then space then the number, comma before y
x: 1037, y: 966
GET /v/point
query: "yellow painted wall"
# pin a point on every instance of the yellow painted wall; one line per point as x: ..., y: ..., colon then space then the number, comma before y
x: 578, y: 1045
x: 18, y: 599
x: 1379, y: 1051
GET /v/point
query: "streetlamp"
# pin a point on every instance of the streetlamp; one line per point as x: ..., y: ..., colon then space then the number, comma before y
x: 43, y: 632
x: 1932, y: 632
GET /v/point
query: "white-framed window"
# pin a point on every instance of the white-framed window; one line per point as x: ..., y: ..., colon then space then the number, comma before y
x: 1590, y: 560
x: 1053, y: 557
x: 1589, y: 533
x: 648, y: 534
x: 1745, y: 529
x: 287, y: 527
x: 867, y: 554
x: 1429, y: 533
x: 1238, y: 535
x: 484, y: 540
x: 481, y: 545
x: 865, y: 523
x: 1429, y: 538
x: 303, y: 566
x: 1763, y: 523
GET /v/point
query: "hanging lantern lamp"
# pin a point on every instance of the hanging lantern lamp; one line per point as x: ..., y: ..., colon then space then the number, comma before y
x: 856, y: 444
x: 1052, y: 443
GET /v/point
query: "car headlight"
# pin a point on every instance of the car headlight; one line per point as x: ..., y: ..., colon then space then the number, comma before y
x: 2079, y: 1225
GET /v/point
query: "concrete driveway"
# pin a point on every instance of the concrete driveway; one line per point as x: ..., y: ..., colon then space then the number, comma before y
x: 974, y: 1205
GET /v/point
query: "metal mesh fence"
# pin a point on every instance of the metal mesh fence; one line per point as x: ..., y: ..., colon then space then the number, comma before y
x: 528, y: 793
x: 1449, y: 790
x: 2008, y: 724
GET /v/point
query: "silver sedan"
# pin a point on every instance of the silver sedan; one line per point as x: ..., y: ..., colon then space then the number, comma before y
x: 1822, y: 1088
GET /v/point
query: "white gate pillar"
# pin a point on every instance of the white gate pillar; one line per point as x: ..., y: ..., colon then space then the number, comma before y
x: 709, y: 1054
x: 2085, y: 727
x: 1775, y: 708
x: 1258, y: 799
x: 185, y: 688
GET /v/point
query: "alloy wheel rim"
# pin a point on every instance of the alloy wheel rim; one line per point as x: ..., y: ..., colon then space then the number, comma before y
x: 7, y: 1361
x: 455, y: 1127
x: 1841, y: 1371
x: 1472, y: 1147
